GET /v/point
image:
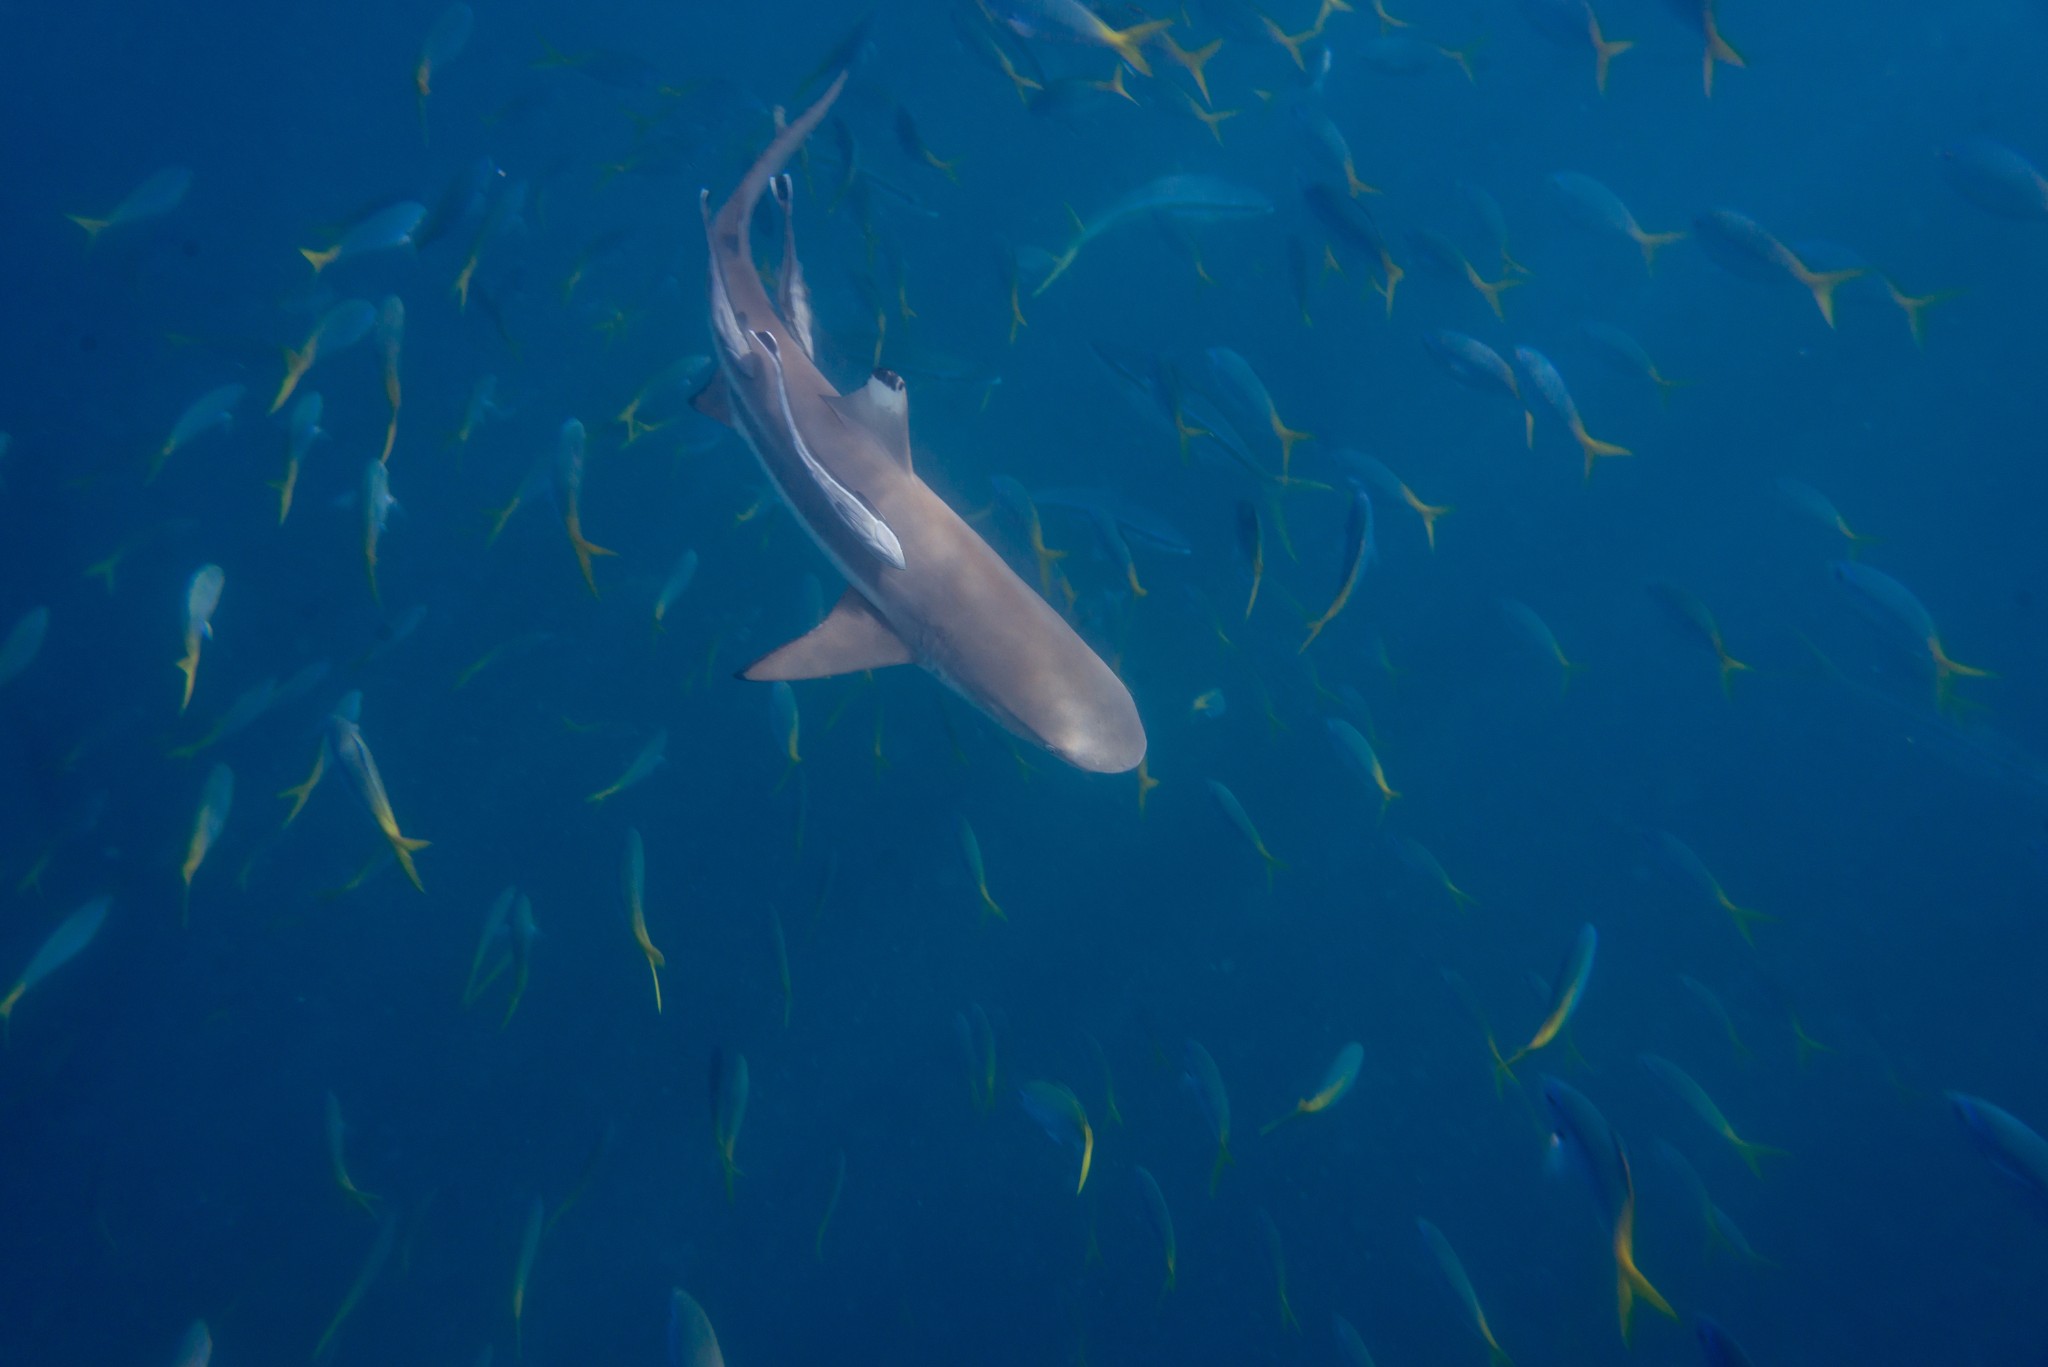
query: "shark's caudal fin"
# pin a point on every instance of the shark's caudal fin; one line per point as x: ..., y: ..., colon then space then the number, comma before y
x: 853, y: 637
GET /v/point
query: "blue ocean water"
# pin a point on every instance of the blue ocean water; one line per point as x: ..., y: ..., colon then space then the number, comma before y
x: 164, y: 1096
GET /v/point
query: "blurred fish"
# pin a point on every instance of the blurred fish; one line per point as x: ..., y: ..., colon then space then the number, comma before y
x: 1699, y: 14
x: 1721, y: 1228
x: 1472, y: 363
x: 461, y: 200
x: 214, y: 801
x: 970, y: 846
x: 1448, y: 261
x: 568, y: 486
x: 1996, y: 178
x: 1418, y: 859
x: 338, y: 329
x: 1700, y: 1104
x: 1581, y: 1137
x: 1717, y: 1009
x: 522, y: 1273
x: 1198, y: 1072
x: 1538, y: 633
x: 729, y: 1108
x: 1358, y: 750
x: 1678, y: 860
x: 1392, y: 485
x: 1353, y: 229
x: 497, y: 925
x: 1598, y: 209
x: 1350, y: 1347
x: 1686, y: 612
x: 1360, y: 548
x: 1326, y: 141
x: 155, y: 197
x: 1743, y: 247
x: 23, y: 643
x: 1543, y: 377
x: 215, y: 408
x: 202, y: 597
x: 1891, y: 604
x: 1181, y: 198
x: 1277, y: 1257
x: 1627, y: 356
x: 978, y: 1042
x: 1251, y: 542
x: 345, y: 739
x: 1454, y: 1276
x: 196, y: 1348
x: 1234, y: 811
x: 635, y: 878
x: 366, y: 1277
x: 1572, y: 23
x: 444, y: 43
x: 390, y: 339
x: 673, y: 588
x: 63, y: 944
x: 1567, y: 990
x: 1059, y: 1113
x: 384, y: 230
x: 1716, y: 1346
x: 2019, y: 1154
x: 1238, y: 386
x: 251, y: 703
x: 1337, y: 1081
x: 378, y: 504
x: 691, y: 1343
x: 337, y: 1160
x: 1161, y: 1220
x: 651, y: 756
x: 302, y: 430
x: 1070, y: 21
x: 1820, y: 508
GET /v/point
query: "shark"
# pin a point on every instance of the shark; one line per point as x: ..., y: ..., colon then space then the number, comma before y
x: 923, y: 587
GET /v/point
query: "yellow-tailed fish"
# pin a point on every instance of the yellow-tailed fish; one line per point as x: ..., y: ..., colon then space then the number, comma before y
x: 1598, y: 209
x: 1700, y: 14
x: 390, y: 340
x: 728, y: 1109
x: 568, y: 473
x: 529, y: 1249
x: 1337, y: 1081
x: 1059, y: 1113
x: 1453, y: 1271
x: 1891, y: 604
x: 497, y: 923
x: 1193, y: 61
x: 377, y: 506
x: 1021, y: 506
x: 1915, y: 306
x: 1359, y: 550
x: 1394, y: 487
x: 593, y: 1163
x: 214, y: 408
x: 1700, y: 1104
x: 1199, y: 1073
x: 1708, y: 998
x: 202, y: 597
x: 337, y: 1161
x: 251, y: 703
x: 1538, y: 633
x: 1210, y: 703
x: 1234, y: 811
x: 72, y: 934
x: 1580, y: 1137
x: 481, y: 406
x: 784, y: 723
x: 380, y: 1253
x: 155, y: 197
x: 214, y: 801
x: 1236, y: 378
x: 978, y: 1042
x: 1541, y: 375
x: 1071, y: 21
x: 1685, y: 866
x: 970, y: 846
x: 831, y: 1204
x: 304, y: 429
x: 1690, y: 615
x: 1821, y: 509
x: 651, y: 757
x: 1421, y: 861
x: 1746, y: 248
x: 636, y: 908
x: 384, y: 230
x: 339, y: 328
x: 1721, y: 1227
x: 1161, y: 1220
x: 1567, y: 990
x: 691, y: 1343
x: 23, y: 643
x: 673, y: 588
x: 1251, y: 542
x: 524, y: 932
x: 1278, y: 1258
x: 444, y: 43
x: 345, y: 739
x: 1359, y: 753
x: 1627, y: 356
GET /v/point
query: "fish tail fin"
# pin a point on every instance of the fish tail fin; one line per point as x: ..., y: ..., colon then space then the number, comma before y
x: 1808, y: 1046
x: 284, y: 489
x: 1224, y: 1159
x: 1595, y: 448
x: 93, y: 226
x: 1745, y: 918
x: 1605, y: 50
x: 1492, y: 289
x: 1730, y: 667
x: 989, y: 906
x: 321, y: 259
x: 1651, y: 242
x: 1463, y: 57
x: 189, y: 667
x: 1129, y: 43
x: 1430, y: 512
x: 585, y: 549
x: 1665, y: 385
x: 499, y: 517
x: 1459, y: 896
x: 1951, y: 669
x: 1631, y: 1283
x: 403, y: 846
x: 1753, y: 1154
x: 1291, y: 41
x: 1718, y: 50
x: 1066, y: 257
x: 1503, y: 1068
x: 1823, y: 285
x: 1194, y: 61
x: 1393, y: 274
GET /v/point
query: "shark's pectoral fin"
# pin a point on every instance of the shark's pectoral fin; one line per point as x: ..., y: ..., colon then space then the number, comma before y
x: 713, y: 401
x: 880, y: 408
x: 853, y: 637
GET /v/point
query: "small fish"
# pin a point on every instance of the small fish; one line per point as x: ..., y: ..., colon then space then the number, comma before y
x: 1199, y: 1073
x: 1472, y: 363
x: 783, y: 721
x: 1891, y: 604
x: 1742, y: 246
x: 635, y: 877
x: 366, y: 1277
x: 1350, y: 1346
x: 1338, y: 1080
x: 214, y: 408
x: 1707, y: 998
x: 215, y: 799
x: 652, y: 756
x: 388, y: 228
x: 1820, y: 508
x: 345, y: 739
x: 1071, y: 21
x: 1251, y: 542
x: 1059, y: 1112
x: 1359, y: 549
x: 1581, y: 1137
x: 1021, y: 506
x: 1539, y: 634
x: 251, y: 703
x: 1721, y: 1228
x: 1419, y: 860
x: 691, y: 1343
x: 978, y: 1042
x: 202, y: 597
x: 390, y: 341
x: 497, y: 923
x: 481, y: 406
x: 1700, y: 15
x: 1392, y: 485
x: 1211, y: 704
x: 1454, y: 1276
x: 24, y: 641
x: 1690, y: 615
x: 444, y: 43
x: 1353, y: 229
x: 1234, y: 810
x: 1277, y: 1257
x: 1568, y: 989
x: 377, y: 505
x: 63, y: 944
x: 729, y: 1108
x: 970, y: 846
x: 2013, y: 1147
x: 339, y: 328
x: 1161, y: 1220
x: 568, y: 475
x: 1596, y: 208
x: 155, y: 197
x: 1179, y: 198
x: 1358, y: 750
x: 1700, y: 1104
x: 1996, y: 178
x: 303, y: 430
x: 525, y: 930
x: 1543, y: 377
x: 522, y: 1273
x: 338, y: 1161
x: 1678, y: 859
x: 1627, y: 356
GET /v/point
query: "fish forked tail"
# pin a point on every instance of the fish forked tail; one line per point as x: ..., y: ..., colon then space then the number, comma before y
x: 1629, y: 1280
x: 189, y: 667
x: 1823, y: 285
x: 93, y: 226
x: 1429, y: 513
x: 1945, y: 668
x: 320, y: 259
x: 1594, y: 448
x: 1718, y: 50
x: 403, y: 846
x: 1129, y: 43
x: 1753, y: 1154
x: 1503, y: 1067
x: 1224, y: 1159
x: 1745, y: 918
x: 1730, y: 667
x: 1065, y: 258
x: 1605, y: 50
x: 1651, y: 242
x: 585, y: 549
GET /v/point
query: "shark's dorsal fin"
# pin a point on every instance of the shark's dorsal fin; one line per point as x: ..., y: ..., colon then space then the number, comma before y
x: 881, y: 407
x: 793, y: 296
x: 853, y: 637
